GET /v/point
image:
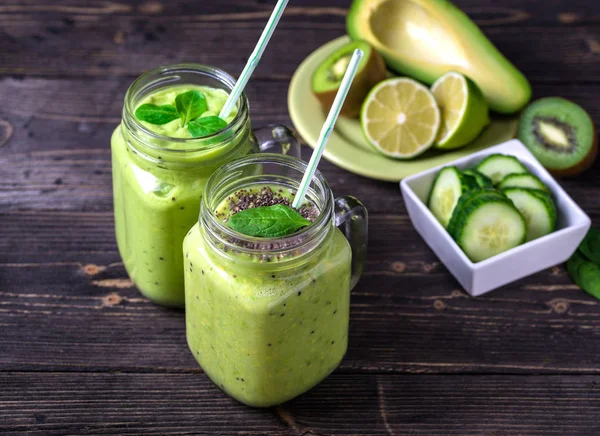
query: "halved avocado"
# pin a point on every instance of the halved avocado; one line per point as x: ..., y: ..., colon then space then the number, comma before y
x: 329, y: 74
x: 427, y: 38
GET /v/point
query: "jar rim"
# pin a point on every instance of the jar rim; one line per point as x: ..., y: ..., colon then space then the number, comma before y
x: 224, y: 234
x: 220, y: 137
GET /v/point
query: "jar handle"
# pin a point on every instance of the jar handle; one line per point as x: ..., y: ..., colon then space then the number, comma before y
x: 278, y: 139
x: 352, y: 218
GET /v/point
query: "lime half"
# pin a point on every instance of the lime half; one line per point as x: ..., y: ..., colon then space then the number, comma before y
x: 464, y: 110
x: 400, y: 118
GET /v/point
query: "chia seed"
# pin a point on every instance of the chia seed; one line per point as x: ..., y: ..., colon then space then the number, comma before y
x: 265, y: 196
x: 246, y: 199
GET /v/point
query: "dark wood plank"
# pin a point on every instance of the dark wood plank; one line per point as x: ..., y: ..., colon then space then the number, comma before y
x: 66, y: 114
x: 80, y: 179
x: 186, y: 404
x: 515, y: 12
x: 408, y: 313
x: 58, y: 154
x: 102, y: 39
x: 84, y: 353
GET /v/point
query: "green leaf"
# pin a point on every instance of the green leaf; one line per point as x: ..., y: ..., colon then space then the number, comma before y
x: 268, y: 221
x: 590, y: 247
x: 154, y: 114
x: 190, y: 105
x: 585, y: 274
x: 206, y: 126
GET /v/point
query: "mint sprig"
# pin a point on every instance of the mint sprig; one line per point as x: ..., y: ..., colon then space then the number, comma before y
x: 268, y: 221
x: 189, y: 107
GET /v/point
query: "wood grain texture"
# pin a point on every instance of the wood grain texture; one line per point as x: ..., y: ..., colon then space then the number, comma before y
x: 102, y: 39
x: 58, y: 156
x: 82, y: 353
x: 403, y: 320
x: 189, y: 404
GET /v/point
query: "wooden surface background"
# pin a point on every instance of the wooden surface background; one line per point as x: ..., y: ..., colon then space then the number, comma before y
x: 81, y: 352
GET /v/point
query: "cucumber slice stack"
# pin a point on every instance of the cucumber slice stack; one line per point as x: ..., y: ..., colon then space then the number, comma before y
x: 484, y: 220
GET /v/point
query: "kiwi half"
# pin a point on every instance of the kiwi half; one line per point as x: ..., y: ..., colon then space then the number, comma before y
x: 560, y: 134
x: 329, y: 74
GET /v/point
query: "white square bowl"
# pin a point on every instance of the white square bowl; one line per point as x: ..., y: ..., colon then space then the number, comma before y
x: 524, y: 260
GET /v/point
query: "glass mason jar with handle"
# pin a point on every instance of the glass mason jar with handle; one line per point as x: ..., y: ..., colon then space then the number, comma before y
x: 158, y: 180
x: 267, y: 318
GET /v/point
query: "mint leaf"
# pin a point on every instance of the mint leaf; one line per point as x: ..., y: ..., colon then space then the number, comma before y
x: 585, y: 274
x: 154, y: 114
x: 268, y: 221
x: 190, y: 105
x: 206, y: 126
x: 590, y: 247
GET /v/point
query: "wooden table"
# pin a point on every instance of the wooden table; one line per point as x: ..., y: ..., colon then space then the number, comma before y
x: 81, y: 352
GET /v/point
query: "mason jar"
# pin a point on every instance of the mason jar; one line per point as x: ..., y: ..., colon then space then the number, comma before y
x: 158, y: 181
x: 267, y: 318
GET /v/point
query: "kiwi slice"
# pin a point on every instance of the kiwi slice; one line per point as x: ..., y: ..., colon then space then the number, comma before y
x: 560, y: 134
x: 329, y: 74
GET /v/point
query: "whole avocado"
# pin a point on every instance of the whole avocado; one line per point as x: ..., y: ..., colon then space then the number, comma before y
x: 425, y: 39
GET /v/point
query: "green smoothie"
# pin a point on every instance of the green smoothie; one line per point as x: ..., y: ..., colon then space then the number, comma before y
x: 266, y: 328
x: 157, y: 186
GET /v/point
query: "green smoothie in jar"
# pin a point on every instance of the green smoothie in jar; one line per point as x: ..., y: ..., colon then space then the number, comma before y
x: 267, y: 318
x: 160, y: 171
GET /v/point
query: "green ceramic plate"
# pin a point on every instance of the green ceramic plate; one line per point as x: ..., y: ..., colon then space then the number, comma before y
x: 347, y: 148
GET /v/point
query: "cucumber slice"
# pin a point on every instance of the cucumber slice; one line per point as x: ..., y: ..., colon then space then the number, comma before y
x: 464, y: 202
x: 537, y: 208
x: 487, y: 225
x: 522, y: 181
x: 482, y: 180
x: 447, y: 188
x: 497, y: 166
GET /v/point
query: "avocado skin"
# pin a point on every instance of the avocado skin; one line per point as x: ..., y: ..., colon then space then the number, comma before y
x: 511, y: 90
x: 373, y: 72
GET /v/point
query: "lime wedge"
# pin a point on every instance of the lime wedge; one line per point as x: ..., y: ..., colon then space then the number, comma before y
x: 400, y: 118
x: 465, y: 111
